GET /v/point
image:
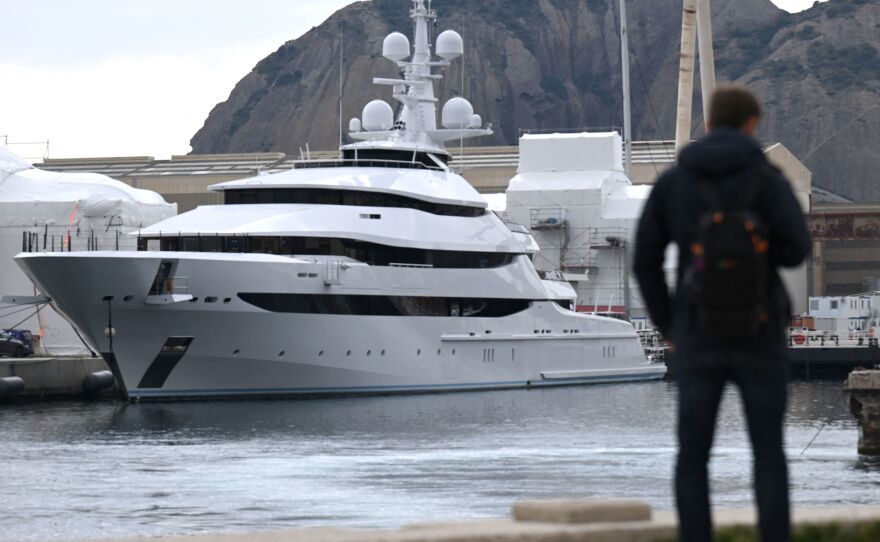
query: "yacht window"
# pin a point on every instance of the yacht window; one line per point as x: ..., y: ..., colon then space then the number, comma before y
x: 378, y: 305
x: 333, y: 196
x: 209, y: 244
x: 169, y: 244
x: 369, y: 253
x: 189, y: 244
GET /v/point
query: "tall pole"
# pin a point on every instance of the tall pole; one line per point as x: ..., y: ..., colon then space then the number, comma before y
x: 624, y: 65
x: 341, y: 32
x: 627, y: 308
x: 707, y: 54
x: 686, y: 74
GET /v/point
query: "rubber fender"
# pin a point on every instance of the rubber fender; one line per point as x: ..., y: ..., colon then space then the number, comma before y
x: 97, y: 381
x: 11, y: 385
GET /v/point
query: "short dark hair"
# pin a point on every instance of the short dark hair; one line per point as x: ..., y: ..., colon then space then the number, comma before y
x: 732, y: 107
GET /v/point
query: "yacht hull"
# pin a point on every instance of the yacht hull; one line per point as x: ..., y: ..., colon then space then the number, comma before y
x: 218, y: 345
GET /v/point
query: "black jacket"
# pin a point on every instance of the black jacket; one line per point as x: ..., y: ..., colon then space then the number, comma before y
x: 671, y: 215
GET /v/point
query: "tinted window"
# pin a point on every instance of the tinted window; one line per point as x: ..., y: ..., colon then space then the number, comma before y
x: 377, y: 305
x: 369, y: 253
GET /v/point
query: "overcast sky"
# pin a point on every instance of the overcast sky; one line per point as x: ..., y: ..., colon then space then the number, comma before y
x: 137, y: 77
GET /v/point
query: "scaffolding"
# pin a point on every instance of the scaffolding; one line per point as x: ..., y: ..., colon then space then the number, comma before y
x: 38, y: 150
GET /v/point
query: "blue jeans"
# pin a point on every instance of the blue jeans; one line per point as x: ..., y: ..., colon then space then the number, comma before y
x: 763, y: 391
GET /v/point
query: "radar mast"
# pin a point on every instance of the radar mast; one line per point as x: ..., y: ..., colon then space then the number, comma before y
x: 415, y: 129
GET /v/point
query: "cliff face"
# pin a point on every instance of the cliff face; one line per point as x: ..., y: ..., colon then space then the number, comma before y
x: 555, y: 64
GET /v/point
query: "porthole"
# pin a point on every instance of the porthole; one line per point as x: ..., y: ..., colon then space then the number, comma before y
x: 438, y: 351
x: 369, y: 352
x: 227, y: 299
x: 382, y: 353
x: 453, y: 351
x: 347, y: 353
x: 281, y: 354
x: 128, y: 298
x: 211, y: 299
x: 419, y: 352
x: 302, y: 275
x: 235, y: 352
x: 320, y: 353
x: 193, y: 300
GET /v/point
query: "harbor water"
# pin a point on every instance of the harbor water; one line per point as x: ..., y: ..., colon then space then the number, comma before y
x: 77, y: 470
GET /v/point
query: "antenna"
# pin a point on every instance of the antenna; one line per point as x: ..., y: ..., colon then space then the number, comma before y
x: 461, y: 137
x: 416, y: 125
x: 624, y: 66
x: 341, y: 31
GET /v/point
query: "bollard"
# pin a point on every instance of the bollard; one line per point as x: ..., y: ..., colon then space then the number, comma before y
x: 864, y: 402
x: 11, y: 385
x: 581, y: 511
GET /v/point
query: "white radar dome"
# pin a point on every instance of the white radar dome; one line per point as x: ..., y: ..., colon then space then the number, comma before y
x: 395, y: 47
x: 378, y: 116
x: 457, y: 113
x: 476, y: 121
x: 449, y: 45
x: 354, y: 125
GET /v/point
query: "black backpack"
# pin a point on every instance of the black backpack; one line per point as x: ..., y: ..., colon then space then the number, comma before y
x: 730, y: 268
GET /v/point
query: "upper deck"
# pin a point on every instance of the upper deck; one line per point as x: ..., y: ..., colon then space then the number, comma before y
x: 434, y: 185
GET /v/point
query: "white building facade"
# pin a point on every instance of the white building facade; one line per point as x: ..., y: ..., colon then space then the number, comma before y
x: 571, y: 192
x: 842, y: 315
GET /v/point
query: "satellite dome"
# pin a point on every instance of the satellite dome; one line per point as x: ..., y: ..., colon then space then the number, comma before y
x: 457, y: 113
x: 354, y: 125
x: 449, y: 45
x: 395, y: 47
x: 476, y: 121
x: 377, y: 116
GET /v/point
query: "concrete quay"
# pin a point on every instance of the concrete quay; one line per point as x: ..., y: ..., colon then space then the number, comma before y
x: 864, y: 402
x: 575, y: 521
x: 60, y: 377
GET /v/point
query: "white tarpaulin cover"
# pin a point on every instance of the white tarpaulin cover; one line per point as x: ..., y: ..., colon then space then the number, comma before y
x: 67, y: 208
x: 31, y: 196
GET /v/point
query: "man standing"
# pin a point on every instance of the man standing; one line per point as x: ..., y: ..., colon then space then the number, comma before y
x: 734, y: 220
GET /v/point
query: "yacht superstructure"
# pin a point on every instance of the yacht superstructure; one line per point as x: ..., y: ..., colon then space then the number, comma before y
x: 379, y: 272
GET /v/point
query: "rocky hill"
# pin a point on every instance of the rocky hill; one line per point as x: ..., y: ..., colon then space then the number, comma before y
x: 544, y: 64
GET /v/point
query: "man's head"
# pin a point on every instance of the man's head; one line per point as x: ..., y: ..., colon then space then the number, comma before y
x: 736, y: 108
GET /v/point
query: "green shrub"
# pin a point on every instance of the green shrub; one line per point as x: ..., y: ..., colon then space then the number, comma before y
x: 599, y: 7
x: 243, y: 114
x: 841, y: 67
x: 806, y: 533
x: 272, y: 64
x: 807, y: 33
x: 288, y: 79
x: 554, y: 85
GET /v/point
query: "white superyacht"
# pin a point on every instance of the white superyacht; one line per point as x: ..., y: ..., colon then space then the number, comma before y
x: 380, y: 272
